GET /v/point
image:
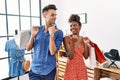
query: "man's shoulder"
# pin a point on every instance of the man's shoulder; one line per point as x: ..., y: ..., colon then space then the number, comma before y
x: 59, y: 31
x: 41, y: 27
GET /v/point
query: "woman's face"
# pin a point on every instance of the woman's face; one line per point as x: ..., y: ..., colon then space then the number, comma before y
x: 75, y: 27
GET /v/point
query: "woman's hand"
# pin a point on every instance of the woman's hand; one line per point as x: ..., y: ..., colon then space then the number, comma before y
x: 86, y: 40
x: 75, y: 38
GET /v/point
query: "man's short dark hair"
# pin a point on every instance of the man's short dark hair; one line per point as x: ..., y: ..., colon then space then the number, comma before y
x: 48, y: 7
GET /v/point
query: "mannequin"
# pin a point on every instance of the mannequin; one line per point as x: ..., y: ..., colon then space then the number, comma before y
x: 16, y: 38
x: 16, y: 57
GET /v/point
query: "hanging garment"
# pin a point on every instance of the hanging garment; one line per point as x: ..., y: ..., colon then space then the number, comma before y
x: 15, y: 64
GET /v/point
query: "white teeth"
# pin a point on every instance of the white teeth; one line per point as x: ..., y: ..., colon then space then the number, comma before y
x: 73, y: 30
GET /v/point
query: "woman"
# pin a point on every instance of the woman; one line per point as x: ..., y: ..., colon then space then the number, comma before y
x: 76, y: 48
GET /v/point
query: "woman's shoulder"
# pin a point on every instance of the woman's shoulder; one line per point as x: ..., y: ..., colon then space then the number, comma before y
x: 85, y: 38
x: 67, y: 37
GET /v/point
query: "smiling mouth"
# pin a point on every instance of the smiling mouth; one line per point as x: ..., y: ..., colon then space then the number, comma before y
x: 73, y: 30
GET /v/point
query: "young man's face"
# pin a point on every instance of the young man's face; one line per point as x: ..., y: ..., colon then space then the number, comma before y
x: 50, y: 16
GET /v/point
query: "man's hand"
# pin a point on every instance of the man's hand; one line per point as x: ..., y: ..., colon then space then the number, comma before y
x: 34, y: 30
x: 51, y: 30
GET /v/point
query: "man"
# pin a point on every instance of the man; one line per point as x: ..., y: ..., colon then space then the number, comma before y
x: 46, y: 41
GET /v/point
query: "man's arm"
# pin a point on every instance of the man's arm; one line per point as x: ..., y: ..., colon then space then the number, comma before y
x: 29, y: 45
x: 34, y: 31
x: 52, y: 45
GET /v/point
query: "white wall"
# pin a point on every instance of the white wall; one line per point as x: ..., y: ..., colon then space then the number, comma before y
x: 103, y: 20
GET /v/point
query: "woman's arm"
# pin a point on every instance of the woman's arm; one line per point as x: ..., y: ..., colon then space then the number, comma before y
x: 69, y: 49
x: 86, y: 52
